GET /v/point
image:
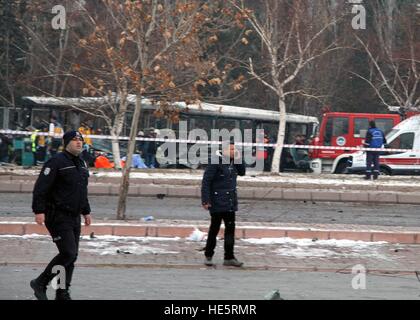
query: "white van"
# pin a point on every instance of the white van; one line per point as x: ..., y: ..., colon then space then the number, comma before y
x: 405, y: 135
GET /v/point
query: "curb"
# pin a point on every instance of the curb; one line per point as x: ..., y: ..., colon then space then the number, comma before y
x: 195, y: 181
x: 252, y: 193
x: 391, y: 235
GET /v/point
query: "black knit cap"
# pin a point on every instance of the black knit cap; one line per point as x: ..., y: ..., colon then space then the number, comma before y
x: 70, y: 135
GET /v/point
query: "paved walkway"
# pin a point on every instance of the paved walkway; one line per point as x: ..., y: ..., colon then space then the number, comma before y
x: 112, y: 283
x: 258, y: 254
x: 111, y: 267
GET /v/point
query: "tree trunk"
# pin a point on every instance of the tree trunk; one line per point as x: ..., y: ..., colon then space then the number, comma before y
x: 125, y: 181
x: 116, y: 130
x: 275, y: 166
x: 116, y: 150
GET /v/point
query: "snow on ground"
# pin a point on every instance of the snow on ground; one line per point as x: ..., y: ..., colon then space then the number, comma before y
x: 306, y: 248
x: 152, y: 175
x: 122, y: 238
x: 290, y: 178
x: 112, y: 245
x: 106, y: 248
x: 33, y: 236
x: 296, y: 178
x: 310, y: 242
x: 287, y: 247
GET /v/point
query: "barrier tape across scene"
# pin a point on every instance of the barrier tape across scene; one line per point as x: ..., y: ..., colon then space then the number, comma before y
x: 245, y: 144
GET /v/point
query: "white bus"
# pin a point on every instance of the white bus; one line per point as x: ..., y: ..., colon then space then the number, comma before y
x: 205, y: 116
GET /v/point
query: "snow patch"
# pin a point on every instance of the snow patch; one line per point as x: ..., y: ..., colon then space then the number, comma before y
x: 307, y: 248
x: 127, y: 238
x: 197, y: 235
x: 107, y: 249
x: 114, y: 245
x: 310, y: 242
x: 25, y: 237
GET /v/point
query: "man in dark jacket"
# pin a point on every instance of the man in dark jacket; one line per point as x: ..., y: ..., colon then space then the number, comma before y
x: 219, y: 196
x: 59, y: 200
x: 375, y: 138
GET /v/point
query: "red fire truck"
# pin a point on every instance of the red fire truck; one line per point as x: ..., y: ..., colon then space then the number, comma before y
x: 343, y: 129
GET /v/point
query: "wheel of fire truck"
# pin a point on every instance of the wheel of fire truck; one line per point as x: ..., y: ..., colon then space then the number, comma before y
x: 385, y: 171
x: 341, y: 167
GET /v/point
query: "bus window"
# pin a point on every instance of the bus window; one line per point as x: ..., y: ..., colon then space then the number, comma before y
x: 271, y: 129
x: 204, y: 123
x: 249, y: 126
x: 313, y: 130
x: 228, y: 124
x: 145, y: 119
x: 155, y: 122
x: 100, y: 126
x: 361, y: 125
x: 127, y: 123
x: 295, y: 129
x: 384, y: 124
x: 161, y: 123
x: 246, y: 124
x: 14, y: 121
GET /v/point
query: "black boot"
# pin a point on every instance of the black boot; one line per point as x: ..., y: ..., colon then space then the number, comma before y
x: 39, y: 285
x: 62, y: 294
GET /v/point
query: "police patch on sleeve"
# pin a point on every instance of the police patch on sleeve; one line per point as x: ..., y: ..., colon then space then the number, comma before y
x: 47, y: 171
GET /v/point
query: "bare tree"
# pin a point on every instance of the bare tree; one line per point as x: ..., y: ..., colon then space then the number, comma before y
x: 290, y: 42
x: 394, y: 66
x: 12, y: 60
x: 146, y: 48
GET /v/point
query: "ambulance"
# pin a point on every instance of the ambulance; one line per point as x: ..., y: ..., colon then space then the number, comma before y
x: 405, y: 135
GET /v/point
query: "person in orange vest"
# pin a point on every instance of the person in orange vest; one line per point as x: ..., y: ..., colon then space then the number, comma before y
x: 102, y: 162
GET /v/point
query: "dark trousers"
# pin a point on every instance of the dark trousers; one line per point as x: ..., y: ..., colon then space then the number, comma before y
x: 372, y: 158
x: 216, y: 220
x: 53, y: 152
x: 65, y: 231
x: 4, y: 158
x: 150, y: 159
x: 40, y: 155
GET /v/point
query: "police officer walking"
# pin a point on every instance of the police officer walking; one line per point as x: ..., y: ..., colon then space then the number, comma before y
x: 59, y: 200
x: 375, y: 138
x: 219, y: 196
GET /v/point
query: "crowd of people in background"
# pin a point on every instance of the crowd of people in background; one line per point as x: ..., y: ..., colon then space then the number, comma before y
x: 49, y: 143
x: 45, y: 146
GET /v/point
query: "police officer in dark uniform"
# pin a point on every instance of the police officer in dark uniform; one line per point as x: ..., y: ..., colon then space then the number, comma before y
x: 59, y: 200
x: 219, y: 196
x: 375, y: 138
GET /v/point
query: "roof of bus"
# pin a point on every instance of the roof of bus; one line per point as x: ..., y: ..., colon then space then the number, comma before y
x: 197, y: 109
